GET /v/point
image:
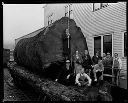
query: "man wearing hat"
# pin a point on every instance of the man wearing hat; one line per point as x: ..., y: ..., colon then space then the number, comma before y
x: 108, y: 62
x: 77, y: 62
x: 65, y: 73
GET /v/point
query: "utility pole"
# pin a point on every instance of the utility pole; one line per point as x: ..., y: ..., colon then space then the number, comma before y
x: 68, y: 36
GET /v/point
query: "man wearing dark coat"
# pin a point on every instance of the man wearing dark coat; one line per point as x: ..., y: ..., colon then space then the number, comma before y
x: 65, y: 76
x: 108, y: 62
x: 95, y: 58
x: 87, y: 62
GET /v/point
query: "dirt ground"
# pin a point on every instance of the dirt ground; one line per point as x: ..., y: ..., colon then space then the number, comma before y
x: 11, y: 92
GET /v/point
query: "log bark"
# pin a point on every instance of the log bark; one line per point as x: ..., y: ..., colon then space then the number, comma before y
x: 49, y: 46
x: 58, y: 92
x: 53, y: 90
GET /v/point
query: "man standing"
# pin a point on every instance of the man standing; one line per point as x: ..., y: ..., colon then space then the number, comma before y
x: 108, y: 62
x: 117, y: 64
x: 77, y: 60
x: 95, y: 58
x: 87, y: 62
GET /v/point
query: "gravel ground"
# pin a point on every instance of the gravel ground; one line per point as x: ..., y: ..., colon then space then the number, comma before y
x: 11, y: 92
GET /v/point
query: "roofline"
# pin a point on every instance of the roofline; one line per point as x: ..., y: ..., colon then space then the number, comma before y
x: 45, y: 5
x: 29, y: 33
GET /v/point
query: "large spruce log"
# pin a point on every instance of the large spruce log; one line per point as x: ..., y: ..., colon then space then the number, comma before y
x: 53, y: 90
x: 49, y: 46
x: 58, y: 92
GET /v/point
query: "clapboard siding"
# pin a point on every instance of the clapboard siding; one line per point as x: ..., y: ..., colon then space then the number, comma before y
x: 81, y: 20
x: 117, y: 43
x: 111, y: 19
x: 106, y: 20
x: 124, y: 65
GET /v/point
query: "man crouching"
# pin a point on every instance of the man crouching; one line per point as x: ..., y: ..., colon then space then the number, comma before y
x: 82, y: 78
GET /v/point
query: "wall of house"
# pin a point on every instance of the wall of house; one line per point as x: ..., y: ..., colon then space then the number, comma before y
x: 111, y: 19
x: 108, y: 20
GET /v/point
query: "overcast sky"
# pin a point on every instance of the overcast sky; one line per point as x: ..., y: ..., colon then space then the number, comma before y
x: 19, y: 20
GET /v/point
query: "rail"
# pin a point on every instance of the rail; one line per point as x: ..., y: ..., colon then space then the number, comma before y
x: 119, y: 76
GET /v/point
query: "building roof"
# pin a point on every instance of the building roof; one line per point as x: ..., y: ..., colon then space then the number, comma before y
x: 30, y: 33
x: 45, y: 5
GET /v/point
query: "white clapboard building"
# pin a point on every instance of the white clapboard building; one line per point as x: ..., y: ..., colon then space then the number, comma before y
x: 103, y: 25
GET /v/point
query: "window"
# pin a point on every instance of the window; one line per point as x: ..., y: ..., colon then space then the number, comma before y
x: 97, y: 44
x: 103, y: 44
x: 125, y: 44
x: 97, y: 6
x: 104, y: 5
x: 50, y: 19
x: 107, y: 43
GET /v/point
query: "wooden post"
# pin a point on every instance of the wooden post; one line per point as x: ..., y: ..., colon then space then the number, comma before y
x: 112, y: 76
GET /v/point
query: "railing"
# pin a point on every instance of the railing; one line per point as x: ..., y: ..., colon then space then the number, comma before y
x: 123, y: 79
x: 118, y: 76
x: 122, y: 76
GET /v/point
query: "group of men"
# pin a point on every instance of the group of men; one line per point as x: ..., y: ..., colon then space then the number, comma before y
x: 84, y: 64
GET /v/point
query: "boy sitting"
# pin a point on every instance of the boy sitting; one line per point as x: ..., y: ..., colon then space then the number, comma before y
x: 82, y: 78
x: 98, y: 68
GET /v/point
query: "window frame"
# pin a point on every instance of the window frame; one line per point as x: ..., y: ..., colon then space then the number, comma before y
x: 101, y: 6
x: 123, y: 47
x: 110, y: 33
x: 111, y: 43
x: 94, y: 43
x: 95, y: 9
